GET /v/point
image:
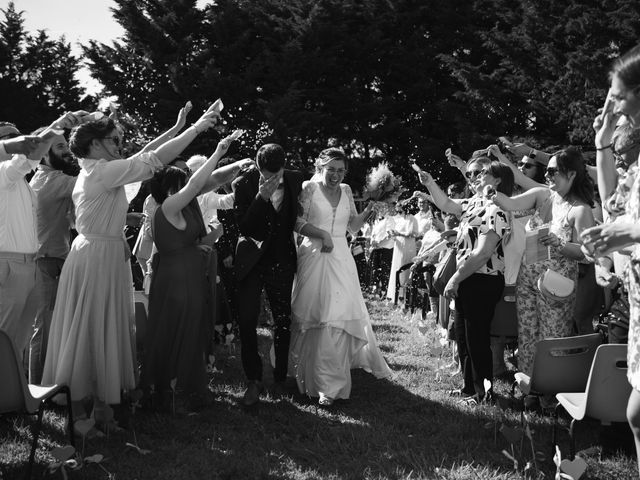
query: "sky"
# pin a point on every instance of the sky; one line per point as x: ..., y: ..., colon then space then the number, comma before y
x: 78, y: 20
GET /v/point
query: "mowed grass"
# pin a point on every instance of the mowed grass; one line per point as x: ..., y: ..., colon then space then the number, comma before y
x: 403, y: 428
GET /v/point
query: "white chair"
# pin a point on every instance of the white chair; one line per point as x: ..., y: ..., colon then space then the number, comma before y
x: 607, y: 393
x: 17, y: 396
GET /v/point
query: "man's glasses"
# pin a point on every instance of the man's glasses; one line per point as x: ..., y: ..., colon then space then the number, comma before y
x: 115, y: 139
x: 551, y: 171
x: 472, y: 174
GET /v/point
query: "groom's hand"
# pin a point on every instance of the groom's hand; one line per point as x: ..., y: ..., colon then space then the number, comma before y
x: 268, y: 187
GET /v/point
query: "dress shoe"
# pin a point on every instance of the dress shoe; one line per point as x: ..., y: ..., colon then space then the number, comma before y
x: 325, y: 401
x: 252, y: 393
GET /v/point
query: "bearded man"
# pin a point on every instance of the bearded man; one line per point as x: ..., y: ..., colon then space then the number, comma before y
x: 53, y: 184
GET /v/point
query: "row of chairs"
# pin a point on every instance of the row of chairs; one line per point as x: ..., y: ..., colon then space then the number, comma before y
x: 19, y: 396
x: 588, y: 379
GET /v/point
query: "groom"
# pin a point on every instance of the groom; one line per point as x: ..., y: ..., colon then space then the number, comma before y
x: 266, y: 206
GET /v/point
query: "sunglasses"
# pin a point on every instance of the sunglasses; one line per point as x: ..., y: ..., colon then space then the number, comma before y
x: 527, y: 165
x: 472, y: 174
x: 551, y: 171
x: 115, y: 139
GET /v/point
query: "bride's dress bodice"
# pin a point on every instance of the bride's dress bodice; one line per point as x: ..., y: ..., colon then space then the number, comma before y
x: 315, y: 208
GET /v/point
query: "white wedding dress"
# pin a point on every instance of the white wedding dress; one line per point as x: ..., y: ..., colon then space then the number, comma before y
x: 331, y: 331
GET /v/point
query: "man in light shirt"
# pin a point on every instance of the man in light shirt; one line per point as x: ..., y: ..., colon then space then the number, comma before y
x: 381, y: 252
x: 53, y: 189
x: 18, y: 240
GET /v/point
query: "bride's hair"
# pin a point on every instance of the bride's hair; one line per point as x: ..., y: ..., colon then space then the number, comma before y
x: 328, y: 155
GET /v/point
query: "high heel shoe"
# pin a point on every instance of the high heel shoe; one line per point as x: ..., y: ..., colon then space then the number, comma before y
x: 325, y: 401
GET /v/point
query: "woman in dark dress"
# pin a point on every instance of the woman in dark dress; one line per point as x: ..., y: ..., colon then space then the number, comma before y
x: 178, y: 298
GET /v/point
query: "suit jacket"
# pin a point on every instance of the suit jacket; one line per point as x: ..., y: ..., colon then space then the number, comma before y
x: 256, y: 218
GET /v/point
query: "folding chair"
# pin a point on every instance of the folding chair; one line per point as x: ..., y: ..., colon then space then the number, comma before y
x: 559, y: 365
x: 20, y: 397
x: 606, y: 395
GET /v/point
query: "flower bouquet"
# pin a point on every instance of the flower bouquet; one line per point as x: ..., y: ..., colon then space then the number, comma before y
x: 382, y: 185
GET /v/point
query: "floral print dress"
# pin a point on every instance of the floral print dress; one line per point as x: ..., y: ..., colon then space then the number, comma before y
x: 633, y: 348
x: 538, y: 317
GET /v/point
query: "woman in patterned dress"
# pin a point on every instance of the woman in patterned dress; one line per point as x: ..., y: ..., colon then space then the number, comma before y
x: 479, y: 280
x: 566, y: 206
x: 614, y: 236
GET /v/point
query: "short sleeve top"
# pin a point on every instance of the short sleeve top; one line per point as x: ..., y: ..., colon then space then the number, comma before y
x: 479, y: 216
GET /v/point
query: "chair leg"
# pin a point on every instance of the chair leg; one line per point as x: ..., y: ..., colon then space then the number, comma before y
x: 34, y: 445
x: 554, y: 437
x: 72, y: 437
x: 572, y: 439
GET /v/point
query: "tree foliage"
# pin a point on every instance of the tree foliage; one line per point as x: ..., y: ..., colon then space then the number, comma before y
x: 37, y: 74
x: 392, y: 79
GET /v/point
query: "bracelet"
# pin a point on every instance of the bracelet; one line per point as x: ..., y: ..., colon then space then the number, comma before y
x: 605, y: 148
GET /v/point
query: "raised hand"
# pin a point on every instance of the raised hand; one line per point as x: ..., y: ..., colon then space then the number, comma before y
x: 605, y: 124
x: 425, y: 178
x: 182, y: 115
x: 71, y: 119
x: 209, y: 118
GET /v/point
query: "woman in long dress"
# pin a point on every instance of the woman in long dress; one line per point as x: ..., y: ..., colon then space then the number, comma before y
x: 404, y: 235
x: 179, y: 299
x: 91, y: 344
x: 331, y: 332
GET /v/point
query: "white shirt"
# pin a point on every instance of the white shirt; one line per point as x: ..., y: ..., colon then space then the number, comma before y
x: 424, y: 222
x: 278, y: 196
x: 18, y: 227
x: 211, y: 202
x: 379, y: 232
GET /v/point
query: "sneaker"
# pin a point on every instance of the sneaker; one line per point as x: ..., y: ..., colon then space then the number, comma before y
x: 252, y: 393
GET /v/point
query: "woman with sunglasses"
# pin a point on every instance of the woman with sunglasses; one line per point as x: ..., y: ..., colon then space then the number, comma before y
x: 565, y: 206
x: 624, y: 97
x: 92, y: 338
x: 478, y: 282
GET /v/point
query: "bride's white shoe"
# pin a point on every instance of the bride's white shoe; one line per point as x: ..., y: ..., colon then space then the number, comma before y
x: 325, y: 401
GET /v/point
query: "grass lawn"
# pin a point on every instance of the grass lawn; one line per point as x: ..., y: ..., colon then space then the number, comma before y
x: 403, y: 428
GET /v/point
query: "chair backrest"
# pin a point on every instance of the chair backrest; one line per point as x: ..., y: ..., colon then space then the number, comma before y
x: 608, y: 389
x: 563, y: 364
x: 14, y: 385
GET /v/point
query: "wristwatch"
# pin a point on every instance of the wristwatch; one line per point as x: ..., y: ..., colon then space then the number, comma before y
x: 532, y: 153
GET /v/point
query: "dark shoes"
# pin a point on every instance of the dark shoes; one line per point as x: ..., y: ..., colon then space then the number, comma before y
x: 279, y: 389
x: 252, y: 393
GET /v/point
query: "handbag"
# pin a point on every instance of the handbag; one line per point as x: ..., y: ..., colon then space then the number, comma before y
x: 445, y: 270
x: 555, y: 286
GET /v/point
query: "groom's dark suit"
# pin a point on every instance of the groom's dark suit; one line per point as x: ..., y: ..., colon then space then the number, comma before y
x: 265, y: 257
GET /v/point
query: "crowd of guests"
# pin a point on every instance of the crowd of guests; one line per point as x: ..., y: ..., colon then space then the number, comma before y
x: 217, y: 233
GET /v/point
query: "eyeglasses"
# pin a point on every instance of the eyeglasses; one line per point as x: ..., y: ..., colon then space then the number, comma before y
x: 527, y: 165
x: 339, y: 171
x: 115, y: 139
x: 486, y: 171
x: 551, y: 171
x: 472, y: 174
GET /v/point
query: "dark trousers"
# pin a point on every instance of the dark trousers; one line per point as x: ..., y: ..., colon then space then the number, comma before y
x: 277, y: 280
x: 477, y: 298
x: 589, y: 299
x: 381, y: 268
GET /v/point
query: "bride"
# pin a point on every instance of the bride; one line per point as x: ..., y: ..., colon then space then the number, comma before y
x: 331, y: 332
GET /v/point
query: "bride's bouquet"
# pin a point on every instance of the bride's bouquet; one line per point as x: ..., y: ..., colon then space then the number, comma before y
x: 382, y: 185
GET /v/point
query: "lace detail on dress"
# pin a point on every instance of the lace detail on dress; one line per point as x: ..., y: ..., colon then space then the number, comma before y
x: 304, y: 204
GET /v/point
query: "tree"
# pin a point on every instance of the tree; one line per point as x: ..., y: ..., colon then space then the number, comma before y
x: 37, y: 74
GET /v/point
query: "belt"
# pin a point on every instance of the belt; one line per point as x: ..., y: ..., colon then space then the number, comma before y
x: 23, y: 257
x: 109, y: 238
